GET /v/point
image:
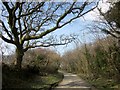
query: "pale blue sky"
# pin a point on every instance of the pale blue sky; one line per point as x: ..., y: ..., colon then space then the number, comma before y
x: 78, y: 27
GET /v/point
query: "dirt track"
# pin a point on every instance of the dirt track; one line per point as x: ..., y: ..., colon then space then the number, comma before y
x: 73, y: 82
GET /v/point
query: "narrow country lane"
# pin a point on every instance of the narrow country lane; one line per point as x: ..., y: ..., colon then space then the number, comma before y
x: 73, y: 82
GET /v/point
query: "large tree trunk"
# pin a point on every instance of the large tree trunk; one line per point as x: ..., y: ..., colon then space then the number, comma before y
x: 19, y: 57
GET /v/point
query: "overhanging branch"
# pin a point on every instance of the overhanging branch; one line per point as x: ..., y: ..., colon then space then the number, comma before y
x: 59, y: 21
x: 45, y: 45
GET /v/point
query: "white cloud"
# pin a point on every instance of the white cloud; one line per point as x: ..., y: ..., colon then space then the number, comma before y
x: 93, y: 15
x: 104, y: 5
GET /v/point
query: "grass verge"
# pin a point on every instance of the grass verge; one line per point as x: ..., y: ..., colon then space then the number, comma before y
x: 102, y: 83
x: 14, y: 80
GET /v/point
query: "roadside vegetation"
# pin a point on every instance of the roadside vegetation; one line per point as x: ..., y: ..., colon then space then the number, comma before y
x: 97, y: 62
x: 39, y: 71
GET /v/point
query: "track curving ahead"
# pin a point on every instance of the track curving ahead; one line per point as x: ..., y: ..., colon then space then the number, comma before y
x: 73, y: 82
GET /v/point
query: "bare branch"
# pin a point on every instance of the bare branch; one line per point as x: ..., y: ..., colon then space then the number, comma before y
x: 35, y: 9
x: 46, y: 45
x: 7, y: 40
x: 6, y: 30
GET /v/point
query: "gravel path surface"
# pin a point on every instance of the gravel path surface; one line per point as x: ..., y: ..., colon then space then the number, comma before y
x: 73, y: 82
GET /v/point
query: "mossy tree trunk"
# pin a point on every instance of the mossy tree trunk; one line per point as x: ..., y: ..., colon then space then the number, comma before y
x: 19, y: 57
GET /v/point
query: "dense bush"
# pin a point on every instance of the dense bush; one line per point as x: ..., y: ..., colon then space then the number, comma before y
x: 44, y: 60
x: 100, y: 59
x: 36, y: 61
x: 27, y: 78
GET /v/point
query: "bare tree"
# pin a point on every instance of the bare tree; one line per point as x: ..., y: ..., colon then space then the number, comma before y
x: 27, y: 25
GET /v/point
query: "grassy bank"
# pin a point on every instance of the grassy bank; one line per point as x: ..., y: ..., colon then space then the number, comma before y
x: 27, y: 80
x: 102, y: 83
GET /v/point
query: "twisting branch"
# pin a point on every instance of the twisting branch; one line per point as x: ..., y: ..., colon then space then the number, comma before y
x: 30, y: 22
x: 35, y: 9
